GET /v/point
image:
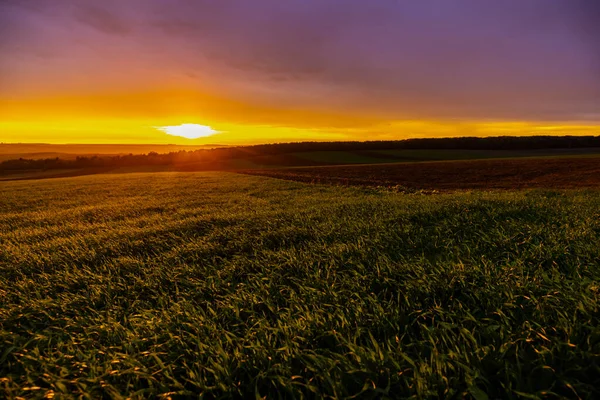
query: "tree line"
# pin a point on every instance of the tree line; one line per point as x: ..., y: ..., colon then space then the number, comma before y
x: 244, y: 152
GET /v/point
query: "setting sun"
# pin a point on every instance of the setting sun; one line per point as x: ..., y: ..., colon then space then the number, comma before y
x: 188, y: 131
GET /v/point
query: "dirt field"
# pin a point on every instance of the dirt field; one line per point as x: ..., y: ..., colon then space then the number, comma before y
x: 560, y: 173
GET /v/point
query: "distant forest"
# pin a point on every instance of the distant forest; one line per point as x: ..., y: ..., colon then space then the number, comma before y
x: 220, y: 155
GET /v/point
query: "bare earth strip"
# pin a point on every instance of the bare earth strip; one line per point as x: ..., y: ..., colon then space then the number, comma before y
x: 559, y: 173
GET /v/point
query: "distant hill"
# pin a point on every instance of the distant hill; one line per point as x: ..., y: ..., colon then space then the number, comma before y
x: 36, y: 151
x: 128, y: 158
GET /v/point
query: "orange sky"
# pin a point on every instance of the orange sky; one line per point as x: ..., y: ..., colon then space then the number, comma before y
x: 111, y: 72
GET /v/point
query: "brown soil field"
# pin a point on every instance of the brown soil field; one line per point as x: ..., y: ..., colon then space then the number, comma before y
x: 559, y: 173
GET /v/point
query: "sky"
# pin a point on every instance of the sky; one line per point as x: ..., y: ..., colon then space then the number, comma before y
x: 254, y: 71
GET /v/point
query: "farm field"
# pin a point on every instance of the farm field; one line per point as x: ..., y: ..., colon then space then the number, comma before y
x: 464, y: 154
x: 255, y: 161
x: 333, y: 158
x: 175, y: 284
x: 417, y: 155
x: 557, y: 172
x: 343, y: 157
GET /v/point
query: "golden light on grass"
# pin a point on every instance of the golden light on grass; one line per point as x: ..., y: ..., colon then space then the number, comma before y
x: 188, y: 131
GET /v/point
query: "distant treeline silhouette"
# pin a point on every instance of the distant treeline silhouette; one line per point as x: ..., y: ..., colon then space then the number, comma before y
x: 220, y: 155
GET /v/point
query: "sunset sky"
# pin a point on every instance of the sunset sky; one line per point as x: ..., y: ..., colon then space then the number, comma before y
x: 119, y: 71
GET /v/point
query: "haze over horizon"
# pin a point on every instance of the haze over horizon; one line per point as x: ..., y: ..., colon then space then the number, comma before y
x: 273, y: 71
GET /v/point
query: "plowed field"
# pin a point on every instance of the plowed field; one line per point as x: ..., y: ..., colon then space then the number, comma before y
x: 559, y: 173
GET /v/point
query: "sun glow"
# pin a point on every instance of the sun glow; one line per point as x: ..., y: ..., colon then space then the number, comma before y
x: 188, y: 131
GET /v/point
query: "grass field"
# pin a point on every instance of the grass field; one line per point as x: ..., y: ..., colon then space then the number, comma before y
x: 175, y: 284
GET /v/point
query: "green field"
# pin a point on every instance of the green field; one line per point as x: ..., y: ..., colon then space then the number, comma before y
x: 176, y: 284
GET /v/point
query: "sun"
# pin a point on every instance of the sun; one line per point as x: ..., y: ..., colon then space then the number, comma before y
x: 188, y: 131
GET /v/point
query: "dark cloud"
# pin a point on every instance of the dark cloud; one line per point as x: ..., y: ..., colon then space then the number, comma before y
x: 497, y: 59
x: 587, y: 26
x: 102, y: 20
x: 588, y: 12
